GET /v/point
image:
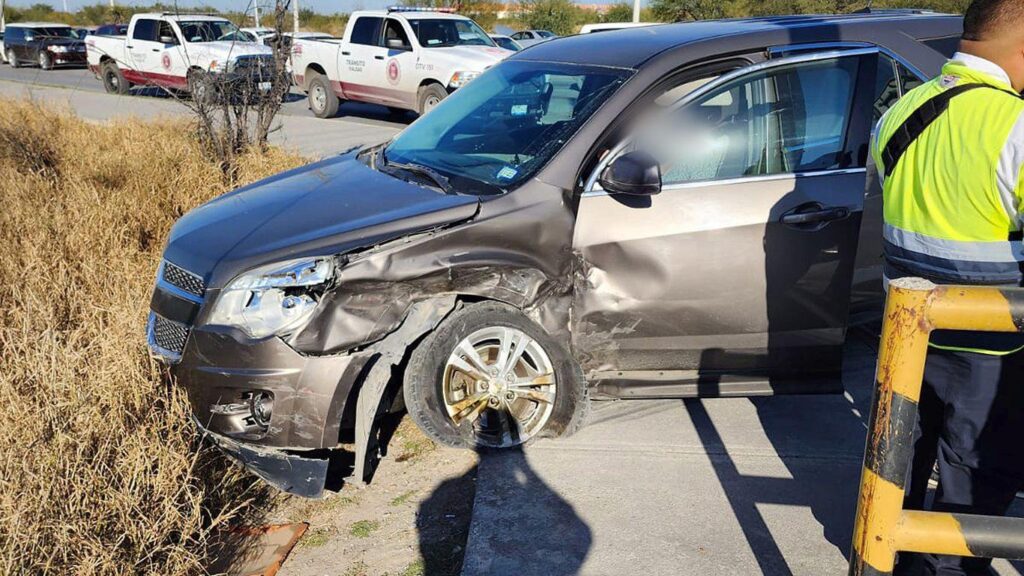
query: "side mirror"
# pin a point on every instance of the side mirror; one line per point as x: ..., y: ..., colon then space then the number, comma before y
x: 397, y: 44
x: 168, y: 40
x: 636, y: 173
x: 30, y: 38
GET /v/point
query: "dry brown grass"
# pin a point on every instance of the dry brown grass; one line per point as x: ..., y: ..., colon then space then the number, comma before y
x: 100, y: 471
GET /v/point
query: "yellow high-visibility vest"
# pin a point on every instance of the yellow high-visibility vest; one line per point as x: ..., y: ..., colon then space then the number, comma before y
x: 953, y: 200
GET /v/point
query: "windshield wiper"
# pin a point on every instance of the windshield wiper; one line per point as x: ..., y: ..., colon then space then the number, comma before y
x: 434, y: 176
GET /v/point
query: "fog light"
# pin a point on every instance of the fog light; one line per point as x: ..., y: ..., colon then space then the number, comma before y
x: 261, y: 408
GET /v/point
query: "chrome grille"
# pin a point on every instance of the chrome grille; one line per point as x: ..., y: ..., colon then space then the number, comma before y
x: 168, y: 335
x: 183, y: 279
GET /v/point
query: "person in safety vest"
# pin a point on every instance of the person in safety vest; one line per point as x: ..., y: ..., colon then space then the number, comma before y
x: 949, y: 155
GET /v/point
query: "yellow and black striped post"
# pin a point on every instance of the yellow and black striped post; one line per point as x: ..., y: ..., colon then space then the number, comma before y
x: 913, y: 309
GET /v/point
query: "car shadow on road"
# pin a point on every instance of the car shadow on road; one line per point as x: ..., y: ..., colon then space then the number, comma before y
x: 559, y: 540
x: 813, y: 438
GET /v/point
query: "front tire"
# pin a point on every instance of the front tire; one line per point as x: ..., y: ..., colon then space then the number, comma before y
x: 322, y: 99
x: 12, y: 59
x: 429, y: 97
x: 45, y: 60
x: 200, y: 87
x: 489, y: 377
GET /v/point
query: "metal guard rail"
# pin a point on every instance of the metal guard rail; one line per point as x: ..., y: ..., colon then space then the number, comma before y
x: 914, y: 308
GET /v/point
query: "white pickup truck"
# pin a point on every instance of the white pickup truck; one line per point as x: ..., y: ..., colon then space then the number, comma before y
x: 174, y: 51
x: 401, y: 58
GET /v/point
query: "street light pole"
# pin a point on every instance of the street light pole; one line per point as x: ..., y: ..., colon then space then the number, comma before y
x: 636, y: 10
x: 256, y: 12
x: 295, y: 16
x: 3, y: 21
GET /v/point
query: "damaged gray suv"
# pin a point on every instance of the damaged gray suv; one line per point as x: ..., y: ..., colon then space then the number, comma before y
x: 670, y: 211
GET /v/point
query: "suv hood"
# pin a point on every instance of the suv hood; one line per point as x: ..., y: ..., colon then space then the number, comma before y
x: 329, y: 207
x: 469, y: 58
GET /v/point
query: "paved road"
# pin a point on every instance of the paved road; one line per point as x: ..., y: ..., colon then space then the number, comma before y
x: 728, y: 486
x: 78, y: 89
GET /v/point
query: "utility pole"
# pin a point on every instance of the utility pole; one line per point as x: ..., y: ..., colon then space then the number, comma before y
x: 3, y: 21
x: 256, y: 12
x: 636, y: 10
x: 295, y: 16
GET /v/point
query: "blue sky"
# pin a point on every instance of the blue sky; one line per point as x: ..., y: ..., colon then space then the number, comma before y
x: 323, y: 6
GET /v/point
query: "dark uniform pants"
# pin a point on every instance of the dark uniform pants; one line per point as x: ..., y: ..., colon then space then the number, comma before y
x: 972, y: 424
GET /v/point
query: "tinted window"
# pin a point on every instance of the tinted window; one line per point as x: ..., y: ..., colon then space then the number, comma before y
x: 167, y: 30
x: 887, y: 89
x: 13, y: 34
x: 54, y: 32
x: 945, y: 45
x: 393, y: 31
x: 145, y: 29
x: 545, y: 34
x: 782, y: 120
x: 366, y: 30
x: 908, y: 80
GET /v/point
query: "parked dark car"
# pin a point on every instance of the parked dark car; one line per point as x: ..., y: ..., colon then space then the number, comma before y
x: 672, y: 211
x: 46, y: 45
x: 112, y: 30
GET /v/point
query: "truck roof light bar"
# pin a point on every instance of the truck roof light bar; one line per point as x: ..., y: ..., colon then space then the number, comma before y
x: 443, y: 9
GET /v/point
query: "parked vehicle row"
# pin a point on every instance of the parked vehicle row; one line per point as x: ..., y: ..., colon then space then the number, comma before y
x: 674, y: 211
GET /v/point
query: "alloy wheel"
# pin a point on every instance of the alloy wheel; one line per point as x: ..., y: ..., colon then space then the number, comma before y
x: 500, y: 381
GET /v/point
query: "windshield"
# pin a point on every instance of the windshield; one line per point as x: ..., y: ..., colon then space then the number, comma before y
x: 55, y: 32
x: 503, y: 127
x: 211, y: 31
x: 441, y: 33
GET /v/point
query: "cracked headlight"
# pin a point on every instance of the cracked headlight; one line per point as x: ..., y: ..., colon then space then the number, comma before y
x: 273, y: 300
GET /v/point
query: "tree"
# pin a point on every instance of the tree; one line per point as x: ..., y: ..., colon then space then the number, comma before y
x: 558, y: 16
x: 679, y: 10
x: 483, y: 12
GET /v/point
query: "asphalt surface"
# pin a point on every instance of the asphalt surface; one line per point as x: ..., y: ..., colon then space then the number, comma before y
x: 728, y: 486
x: 299, y: 129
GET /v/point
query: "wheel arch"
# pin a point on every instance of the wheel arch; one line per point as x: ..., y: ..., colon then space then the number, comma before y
x: 312, y: 68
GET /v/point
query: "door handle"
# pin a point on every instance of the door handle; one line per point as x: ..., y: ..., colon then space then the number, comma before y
x: 379, y: 57
x: 155, y: 49
x: 814, y: 215
x: 343, y: 53
x: 129, y: 46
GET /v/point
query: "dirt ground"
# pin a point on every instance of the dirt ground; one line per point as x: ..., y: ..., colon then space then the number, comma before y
x: 412, y: 520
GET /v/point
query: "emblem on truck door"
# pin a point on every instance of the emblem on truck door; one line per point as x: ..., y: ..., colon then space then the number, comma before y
x: 394, y: 72
x: 165, y: 60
